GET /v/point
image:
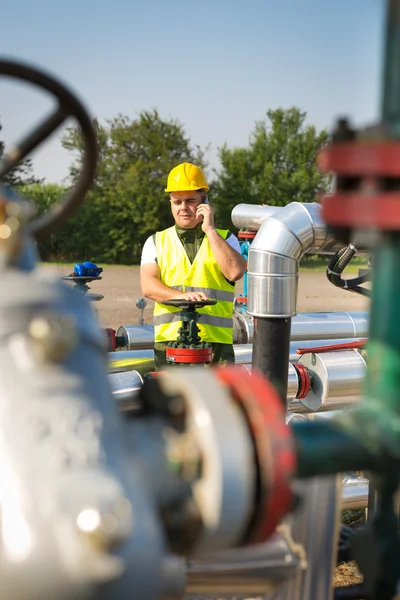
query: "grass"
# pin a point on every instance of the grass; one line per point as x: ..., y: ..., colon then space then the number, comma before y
x: 315, y: 264
x: 320, y: 263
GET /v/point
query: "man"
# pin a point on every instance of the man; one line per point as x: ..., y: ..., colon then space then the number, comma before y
x: 192, y: 260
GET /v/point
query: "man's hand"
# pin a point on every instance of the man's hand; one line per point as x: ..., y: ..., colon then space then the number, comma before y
x: 205, y: 211
x: 194, y: 296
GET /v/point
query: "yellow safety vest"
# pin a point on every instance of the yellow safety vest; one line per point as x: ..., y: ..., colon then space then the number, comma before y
x: 204, y: 274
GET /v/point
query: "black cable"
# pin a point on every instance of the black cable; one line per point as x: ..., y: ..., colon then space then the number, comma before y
x: 344, y: 549
x: 337, y: 265
x: 355, y: 591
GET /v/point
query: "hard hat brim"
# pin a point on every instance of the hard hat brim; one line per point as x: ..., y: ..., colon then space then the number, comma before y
x: 170, y: 190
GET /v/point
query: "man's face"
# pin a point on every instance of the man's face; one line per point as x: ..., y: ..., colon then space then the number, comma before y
x: 184, y: 206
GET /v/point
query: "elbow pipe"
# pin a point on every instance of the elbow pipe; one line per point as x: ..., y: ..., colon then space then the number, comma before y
x: 251, y: 216
x: 273, y: 269
x: 274, y: 257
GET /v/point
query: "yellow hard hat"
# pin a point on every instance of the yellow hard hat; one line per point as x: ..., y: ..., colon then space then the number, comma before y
x: 185, y: 178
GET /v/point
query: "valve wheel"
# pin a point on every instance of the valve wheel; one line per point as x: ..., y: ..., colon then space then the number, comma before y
x: 274, y: 448
x: 68, y: 106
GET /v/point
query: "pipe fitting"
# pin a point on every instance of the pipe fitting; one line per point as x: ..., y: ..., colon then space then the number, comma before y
x: 274, y: 256
x: 336, y: 379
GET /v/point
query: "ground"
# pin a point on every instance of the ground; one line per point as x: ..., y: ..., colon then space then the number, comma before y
x: 121, y: 287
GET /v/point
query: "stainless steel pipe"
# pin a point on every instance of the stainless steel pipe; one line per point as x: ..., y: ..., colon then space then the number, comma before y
x: 253, y: 571
x: 337, y: 379
x: 305, y: 326
x: 309, y: 326
x: 251, y: 216
x: 125, y: 387
x: 141, y: 361
x: 274, y: 256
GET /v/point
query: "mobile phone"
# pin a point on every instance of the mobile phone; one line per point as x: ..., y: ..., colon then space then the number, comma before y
x: 205, y: 201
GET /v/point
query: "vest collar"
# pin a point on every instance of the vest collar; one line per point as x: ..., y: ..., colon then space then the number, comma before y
x: 189, y: 234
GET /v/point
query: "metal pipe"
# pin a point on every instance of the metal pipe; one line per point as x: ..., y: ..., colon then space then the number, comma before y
x: 292, y: 386
x: 251, y: 216
x: 125, y: 387
x: 309, y: 326
x: 271, y: 351
x: 337, y: 379
x: 139, y: 360
x: 305, y: 326
x: 254, y: 571
x: 336, y: 382
x: 258, y: 570
x: 273, y: 270
x: 274, y: 257
x: 136, y: 337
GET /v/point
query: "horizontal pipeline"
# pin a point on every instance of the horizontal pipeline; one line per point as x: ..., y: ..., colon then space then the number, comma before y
x: 253, y: 571
x: 143, y: 360
x: 335, y: 380
x: 305, y: 326
x: 258, y: 570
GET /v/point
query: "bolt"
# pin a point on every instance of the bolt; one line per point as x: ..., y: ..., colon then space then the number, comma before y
x: 183, y: 455
x: 53, y: 337
x: 107, y: 529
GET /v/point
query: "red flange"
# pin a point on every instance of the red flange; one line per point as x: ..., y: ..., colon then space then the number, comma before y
x: 368, y: 204
x: 247, y: 235
x: 241, y: 300
x: 189, y: 355
x: 111, y: 339
x: 360, y: 159
x: 274, y: 448
x: 304, y: 381
x: 358, y: 210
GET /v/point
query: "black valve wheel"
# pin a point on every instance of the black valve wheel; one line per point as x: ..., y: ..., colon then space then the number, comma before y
x: 68, y: 106
x: 189, y: 304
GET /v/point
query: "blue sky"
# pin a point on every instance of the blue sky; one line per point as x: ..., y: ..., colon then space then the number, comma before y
x: 217, y: 66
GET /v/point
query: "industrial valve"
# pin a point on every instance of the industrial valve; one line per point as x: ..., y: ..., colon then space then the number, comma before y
x: 83, y: 274
x: 95, y: 504
x: 188, y: 349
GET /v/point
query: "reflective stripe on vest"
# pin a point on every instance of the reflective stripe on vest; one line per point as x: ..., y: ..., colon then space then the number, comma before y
x: 214, y: 294
x: 203, y: 275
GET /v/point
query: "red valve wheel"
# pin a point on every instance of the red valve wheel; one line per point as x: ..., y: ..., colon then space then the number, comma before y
x: 274, y: 448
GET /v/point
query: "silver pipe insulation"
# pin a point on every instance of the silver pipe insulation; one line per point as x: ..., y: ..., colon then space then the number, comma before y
x: 252, y: 216
x: 252, y: 571
x: 273, y: 266
x: 143, y: 360
x: 301, y: 554
x: 259, y: 569
x: 305, y: 326
x: 336, y: 378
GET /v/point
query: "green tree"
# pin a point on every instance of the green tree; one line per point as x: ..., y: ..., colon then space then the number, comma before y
x: 44, y: 196
x: 23, y: 172
x: 128, y: 202
x: 277, y: 167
